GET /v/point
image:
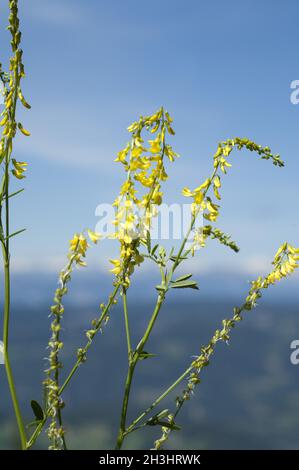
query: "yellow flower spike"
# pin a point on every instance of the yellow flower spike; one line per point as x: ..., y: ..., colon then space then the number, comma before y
x: 187, y: 192
x: 94, y: 236
x: 23, y: 130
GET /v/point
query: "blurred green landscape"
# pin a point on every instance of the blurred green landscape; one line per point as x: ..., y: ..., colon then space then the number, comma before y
x: 248, y: 398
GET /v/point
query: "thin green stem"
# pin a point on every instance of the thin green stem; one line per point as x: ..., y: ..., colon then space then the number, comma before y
x: 131, y: 369
x: 6, y: 261
x: 123, y: 417
x: 126, y: 317
x: 158, y: 400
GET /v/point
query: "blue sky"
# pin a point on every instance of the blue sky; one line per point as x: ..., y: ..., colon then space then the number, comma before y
x: 222, y: 69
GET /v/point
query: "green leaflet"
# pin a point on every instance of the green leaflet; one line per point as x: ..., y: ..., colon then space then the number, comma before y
x: 37, y: 410
x: 184, y: 285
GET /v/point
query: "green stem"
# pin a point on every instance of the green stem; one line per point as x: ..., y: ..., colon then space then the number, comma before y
x: 6, y: 261
x: 126, y: 316
x: 122, y: 426
x: 158, y: 400
x: 132, y: 365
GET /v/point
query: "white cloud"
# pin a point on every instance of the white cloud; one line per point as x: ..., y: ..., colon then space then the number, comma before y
x: 30, y: 265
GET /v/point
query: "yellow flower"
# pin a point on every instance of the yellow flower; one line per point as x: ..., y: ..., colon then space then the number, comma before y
x: 203, y: 185
x: 19, y: 169
x: 79, y: 244
x: 155, y: 146
x: 23, y: 101
x: 217, y: 182
x: 94, y: 237
x: 187, y: 192
x: 199, y: 197
x: 117, y: 266
x: 213, y: 208
x: 4, y: 120
x: 121, y: 156
x: 23, y: 130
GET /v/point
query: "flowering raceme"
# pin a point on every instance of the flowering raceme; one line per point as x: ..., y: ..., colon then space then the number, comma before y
x: 141, y: 192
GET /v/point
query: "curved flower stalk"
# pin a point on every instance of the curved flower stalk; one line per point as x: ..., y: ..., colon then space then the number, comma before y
x: 54, y: 403
x: 202, y: 203
x: 285, y: 262
x: 12, y: 93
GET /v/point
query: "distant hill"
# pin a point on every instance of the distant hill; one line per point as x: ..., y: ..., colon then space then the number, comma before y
x: 248, y: 398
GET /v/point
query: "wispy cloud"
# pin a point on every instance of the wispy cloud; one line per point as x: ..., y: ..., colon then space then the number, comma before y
x: 55, y: 12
